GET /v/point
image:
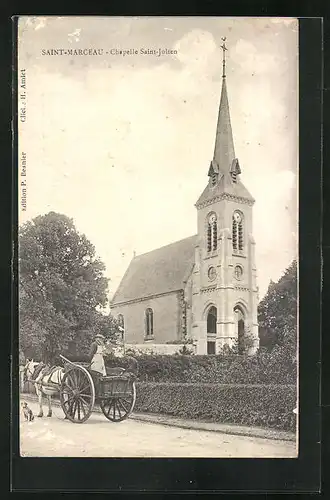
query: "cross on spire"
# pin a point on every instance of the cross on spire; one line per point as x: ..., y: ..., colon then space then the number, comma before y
x: 224, y: 48
x: 224, y: 152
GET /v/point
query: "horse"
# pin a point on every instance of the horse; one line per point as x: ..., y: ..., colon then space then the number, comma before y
x: 47, y: 381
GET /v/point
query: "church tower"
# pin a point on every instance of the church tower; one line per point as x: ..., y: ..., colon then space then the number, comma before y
x: 224, y: 286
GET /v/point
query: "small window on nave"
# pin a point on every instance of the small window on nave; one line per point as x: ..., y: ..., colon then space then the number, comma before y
x: 149, y: 322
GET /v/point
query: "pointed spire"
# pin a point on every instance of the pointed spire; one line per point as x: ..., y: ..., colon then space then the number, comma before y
x: 224, y: 152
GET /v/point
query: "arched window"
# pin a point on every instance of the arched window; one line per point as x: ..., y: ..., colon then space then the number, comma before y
x: 240, y: 327
x: 149, y: 322
x: 120, y: 320
x: 237, y: 232
x: 211, y: 327
x: 212, y: 233
x: 212, y: 320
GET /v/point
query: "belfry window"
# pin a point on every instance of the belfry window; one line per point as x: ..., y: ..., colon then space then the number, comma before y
x: 212, y: 233
x: 214, y: 179
x: 149, y: 322
x: 237, y: 232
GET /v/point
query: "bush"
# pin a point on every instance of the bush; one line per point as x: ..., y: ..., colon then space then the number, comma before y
x: 258, y: 405
x: 263, y: 368
x: 185, y: 351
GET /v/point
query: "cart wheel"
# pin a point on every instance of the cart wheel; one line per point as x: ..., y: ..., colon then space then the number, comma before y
x: 77, y: 394
x: 117, y: 408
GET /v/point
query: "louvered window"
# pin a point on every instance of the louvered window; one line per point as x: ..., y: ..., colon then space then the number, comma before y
x: 237, y: 232
x: 212, y: 233
x: 235, y: 247
x: 209, y: 237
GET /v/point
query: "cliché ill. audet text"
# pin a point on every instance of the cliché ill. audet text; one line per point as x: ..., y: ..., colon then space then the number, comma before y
x: 22, y: 96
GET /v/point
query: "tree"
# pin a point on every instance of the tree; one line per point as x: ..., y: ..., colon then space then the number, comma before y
x: 277, y: 312
x: 61, y: 286
x: 42, y: 331
x: 242, y: 346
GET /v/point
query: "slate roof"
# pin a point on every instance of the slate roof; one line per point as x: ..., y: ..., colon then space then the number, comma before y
x: 224, y: 152
x: 224, y: 159
x: 160, y: 271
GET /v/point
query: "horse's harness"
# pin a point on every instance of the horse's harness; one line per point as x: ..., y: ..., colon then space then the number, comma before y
x: 38, y: 369
x: 44, y: 370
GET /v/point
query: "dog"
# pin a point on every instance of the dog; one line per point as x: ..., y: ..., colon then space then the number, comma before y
x: 27, y: 412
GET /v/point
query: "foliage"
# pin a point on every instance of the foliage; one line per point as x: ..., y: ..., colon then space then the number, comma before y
x: 128, y: 362
x: 184, y: 346
x: 259, y: 405
x: 276, y: 367
x: 277, y: 312
x: 185, y: 351
x: 42, y: 330
x: 62, y: 288
x: 242, y: 346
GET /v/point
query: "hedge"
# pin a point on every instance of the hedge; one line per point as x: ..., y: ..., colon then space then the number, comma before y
x: 255, y: 405
x: 263, y: 368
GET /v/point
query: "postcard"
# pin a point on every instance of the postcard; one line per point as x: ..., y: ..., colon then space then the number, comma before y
x: 158, y: 237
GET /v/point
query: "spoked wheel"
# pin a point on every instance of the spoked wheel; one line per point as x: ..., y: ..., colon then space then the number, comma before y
x: 119, y: 406
x: 77, y: 394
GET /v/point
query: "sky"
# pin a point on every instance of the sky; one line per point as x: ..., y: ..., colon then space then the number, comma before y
x: 122, y: 144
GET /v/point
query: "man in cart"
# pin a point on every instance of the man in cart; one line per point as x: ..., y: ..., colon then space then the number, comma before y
x: 96, y: 354
x: 114, y: 350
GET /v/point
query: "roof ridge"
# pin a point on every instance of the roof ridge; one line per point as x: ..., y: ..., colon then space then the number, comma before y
x: 121, y: 281
x: 159, y: 271
x: 165, y: 246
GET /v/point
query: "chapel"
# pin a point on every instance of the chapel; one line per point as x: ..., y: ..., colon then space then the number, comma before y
x: 203, y: 287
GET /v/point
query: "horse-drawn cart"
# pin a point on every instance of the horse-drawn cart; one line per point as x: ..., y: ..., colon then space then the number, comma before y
x: 81, y: 388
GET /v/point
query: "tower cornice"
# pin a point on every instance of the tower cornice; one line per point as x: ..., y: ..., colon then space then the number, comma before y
x: 225, y: 196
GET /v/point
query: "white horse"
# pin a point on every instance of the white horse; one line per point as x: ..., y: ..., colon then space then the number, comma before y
x: 46, y: 383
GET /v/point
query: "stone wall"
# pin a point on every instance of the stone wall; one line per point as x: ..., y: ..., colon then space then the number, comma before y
x: 167, y: 319
x: 167, y: 349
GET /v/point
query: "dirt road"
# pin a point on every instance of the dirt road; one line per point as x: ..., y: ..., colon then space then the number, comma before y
x: 97, y: 437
